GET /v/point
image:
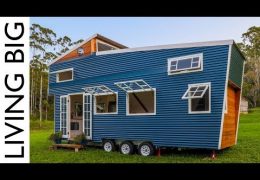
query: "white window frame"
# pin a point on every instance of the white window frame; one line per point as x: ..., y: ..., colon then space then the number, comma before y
x: 105, y: 94
x: 63, y: 70
x: 226, y: 104
x: 102, y: 42
x: 140, y: 114
x: 127, y: 88
x: 193, y: 96
x: 189, y: 100
x: 101, y: 87
x: 185, y: 70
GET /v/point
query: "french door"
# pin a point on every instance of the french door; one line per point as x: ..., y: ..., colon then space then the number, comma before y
x: 64, y: 116
x: 87, y: 123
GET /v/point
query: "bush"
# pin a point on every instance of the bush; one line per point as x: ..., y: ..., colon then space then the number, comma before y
x: 56, y: 137
x: 80, y: 139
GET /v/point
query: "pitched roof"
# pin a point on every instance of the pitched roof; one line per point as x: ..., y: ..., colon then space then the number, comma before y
x: 98, y: 36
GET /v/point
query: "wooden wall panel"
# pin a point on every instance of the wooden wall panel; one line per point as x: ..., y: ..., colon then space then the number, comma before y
x: 230, y: 119
x: 74, y: 54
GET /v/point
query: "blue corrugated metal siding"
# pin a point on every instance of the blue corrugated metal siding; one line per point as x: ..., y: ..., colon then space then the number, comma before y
x: 172, y: 125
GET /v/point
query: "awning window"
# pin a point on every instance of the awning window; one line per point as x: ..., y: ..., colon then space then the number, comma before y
x: 195, y: 91
x: 134, y: 85
x: 98, y: 90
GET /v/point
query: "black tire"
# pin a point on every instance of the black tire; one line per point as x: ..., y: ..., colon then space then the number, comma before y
x: 146, y: 149
x: 109, y: 145
x: 126, y: 147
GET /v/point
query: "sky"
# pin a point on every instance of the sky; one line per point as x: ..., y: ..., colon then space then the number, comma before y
x: 149, y: 31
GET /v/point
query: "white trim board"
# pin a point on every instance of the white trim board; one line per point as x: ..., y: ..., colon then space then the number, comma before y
x: 225, y: 98
x: 171, y: 46
x: 238, y: 116
x: 62, y: 70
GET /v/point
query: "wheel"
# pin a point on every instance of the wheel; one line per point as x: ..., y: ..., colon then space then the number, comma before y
x: 109, y: 145
x: 126, y: 147
x: 146, y: 149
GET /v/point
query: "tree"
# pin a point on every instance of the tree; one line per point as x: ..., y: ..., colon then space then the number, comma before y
x: 45, y: 47
x: 250, y: 47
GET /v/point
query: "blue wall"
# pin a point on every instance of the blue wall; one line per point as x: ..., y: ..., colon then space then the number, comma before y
x: 172, y: 125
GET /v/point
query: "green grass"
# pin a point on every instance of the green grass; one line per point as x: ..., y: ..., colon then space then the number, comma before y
x: 246, y: 150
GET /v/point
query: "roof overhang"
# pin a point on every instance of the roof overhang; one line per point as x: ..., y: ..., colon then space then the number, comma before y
x: 171, y: 46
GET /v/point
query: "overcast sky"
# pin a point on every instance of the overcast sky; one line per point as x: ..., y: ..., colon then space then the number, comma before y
x: 148, y: 31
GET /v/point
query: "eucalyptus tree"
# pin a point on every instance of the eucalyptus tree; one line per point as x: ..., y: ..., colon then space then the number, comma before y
x: 251, y: 49
x: 45, y: 46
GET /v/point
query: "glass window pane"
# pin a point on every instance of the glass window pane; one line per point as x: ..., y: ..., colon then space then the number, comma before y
x: 173, y: 68
x: 198, y: 93
x: 184, y: 64
x: 201, y: 88
x: 141, y: 102
x: 191, y: 93
x: 193, y: 88
x: 196, y: 59
x: 195, y: 64
x: 173, y: 63
x: 200, y: 104
x: 66, y: 75
x: 106, y: 103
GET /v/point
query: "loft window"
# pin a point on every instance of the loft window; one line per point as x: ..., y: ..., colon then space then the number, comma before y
x: 141, y: 103
x: 102, y: 46
x: 185, y: 64
x: 106, y: 104
x: 199, y: 96
x: 64, y: 75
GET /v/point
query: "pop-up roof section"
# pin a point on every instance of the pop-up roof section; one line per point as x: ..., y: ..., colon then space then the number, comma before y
x: 94, y: 43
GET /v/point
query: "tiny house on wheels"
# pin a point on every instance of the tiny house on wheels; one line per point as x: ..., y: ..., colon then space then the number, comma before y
x: 179, y: 95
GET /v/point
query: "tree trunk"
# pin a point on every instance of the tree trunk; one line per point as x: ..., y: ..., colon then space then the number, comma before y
x: 47, y: 104
x: 46, y: 113
x: 31, y: 94
x: 40, y: 103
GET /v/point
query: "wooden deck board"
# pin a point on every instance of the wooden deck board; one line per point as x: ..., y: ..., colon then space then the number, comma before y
x: 76, y: 147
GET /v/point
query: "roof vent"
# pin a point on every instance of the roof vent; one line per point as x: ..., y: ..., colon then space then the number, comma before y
x: 80, y: 51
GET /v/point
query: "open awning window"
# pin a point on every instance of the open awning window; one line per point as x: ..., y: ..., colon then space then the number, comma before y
x: 98, y: 90
x: 134, y: 86
x: 195, y: 91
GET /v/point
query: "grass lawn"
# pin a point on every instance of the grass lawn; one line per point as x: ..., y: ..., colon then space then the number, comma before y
x: 246, y: 150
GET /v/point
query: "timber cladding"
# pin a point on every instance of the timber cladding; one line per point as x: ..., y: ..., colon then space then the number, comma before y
x: 231, y: 117
x: 74, y: 54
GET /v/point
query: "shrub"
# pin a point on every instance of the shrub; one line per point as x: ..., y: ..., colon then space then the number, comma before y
x: 56, y: 137
x: 80, y: 139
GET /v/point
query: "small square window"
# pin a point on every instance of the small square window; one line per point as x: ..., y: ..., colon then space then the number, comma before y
x: 106, y: 104
x: 64, y: 75
x: 199, y: 98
